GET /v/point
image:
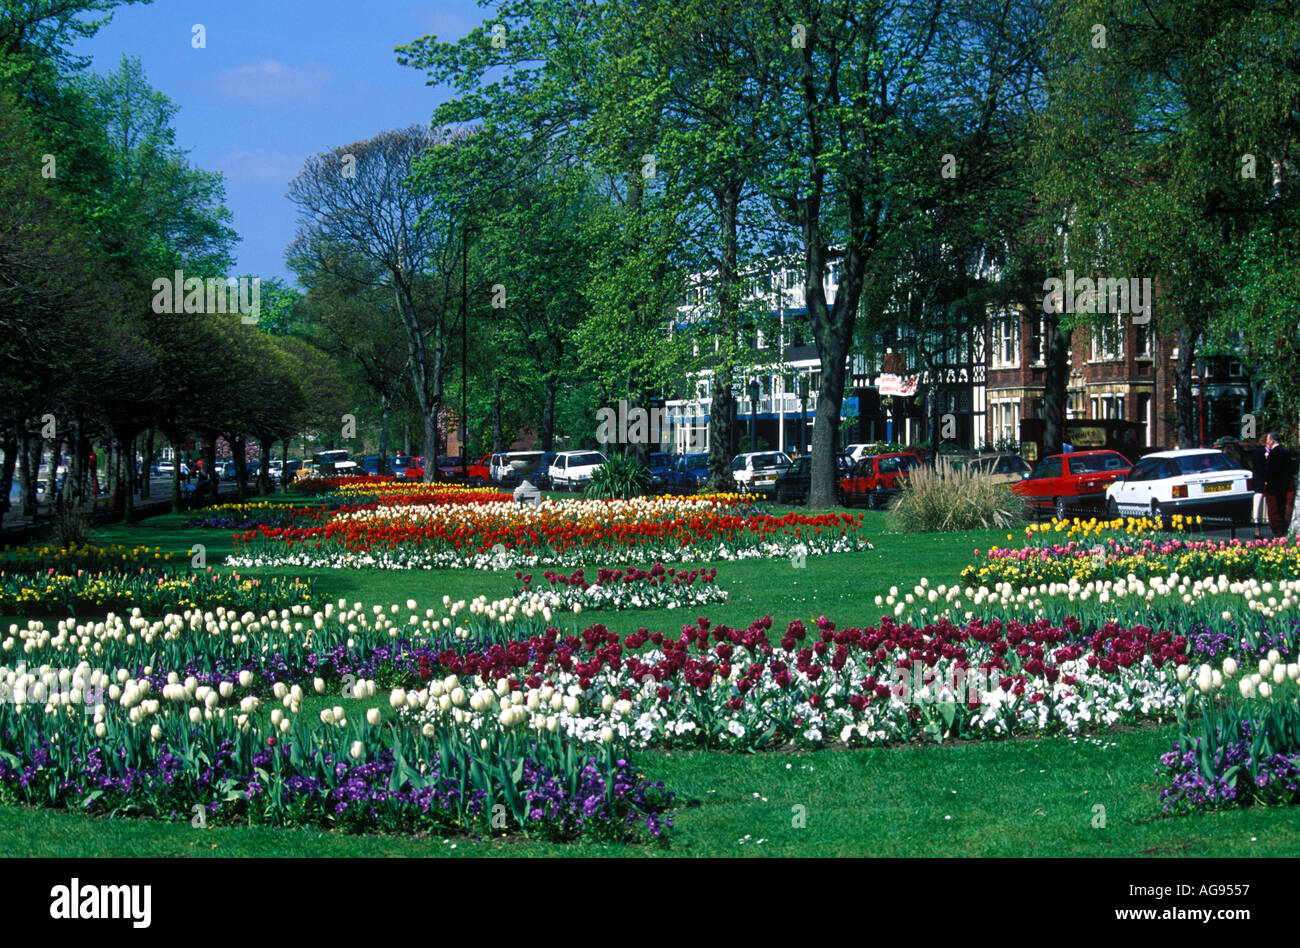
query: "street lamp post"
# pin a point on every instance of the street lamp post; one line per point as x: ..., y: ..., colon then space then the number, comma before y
x: 753, y: 415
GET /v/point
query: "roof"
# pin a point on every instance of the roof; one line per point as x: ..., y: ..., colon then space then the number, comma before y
x: 1181, y: 453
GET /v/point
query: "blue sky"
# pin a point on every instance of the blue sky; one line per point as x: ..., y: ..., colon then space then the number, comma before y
x: 279, y: 81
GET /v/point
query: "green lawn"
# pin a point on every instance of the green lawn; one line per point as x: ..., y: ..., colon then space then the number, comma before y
x: 1005, y: 798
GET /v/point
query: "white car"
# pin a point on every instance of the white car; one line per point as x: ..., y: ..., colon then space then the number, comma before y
x: 758, y: 470
x: 1198, y: 481
x: 857, y: 451
x: 571, y: 470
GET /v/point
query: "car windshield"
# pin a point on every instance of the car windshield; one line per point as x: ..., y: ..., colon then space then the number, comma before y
x: 1092, y: 463
x: 698, y: 462
x: 581, y: 460
x: 1203, y: 463
x: 771, y: 460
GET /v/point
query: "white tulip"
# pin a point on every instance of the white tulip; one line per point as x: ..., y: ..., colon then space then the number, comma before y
x: 1265, y: 689
x: 1229, y: 667
x: 358, y: 749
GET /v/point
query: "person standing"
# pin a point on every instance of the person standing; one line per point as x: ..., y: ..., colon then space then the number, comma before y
x: 1280, y: 484
x: 1259, y: 478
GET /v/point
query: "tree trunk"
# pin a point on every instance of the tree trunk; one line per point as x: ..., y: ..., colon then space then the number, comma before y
x: 27, y: 474
x: 284, y: 467
x: 548, y: 414
x: 264, y: 445
x: 52, y: 484
x: 383, y: 435
x: 238, y: 448
x: 176, y: 473
x: 721, y: 415
x: 430, y: 441
x: 498, y: 436
x: 1183, y: 401
x: 1055, y: 383
x: 146, y: 469
x: 128, y: 494
x: 10, y: 447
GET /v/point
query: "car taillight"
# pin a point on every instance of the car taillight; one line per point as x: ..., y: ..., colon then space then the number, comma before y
x: 1250, y: 483
x: 1180, y: 490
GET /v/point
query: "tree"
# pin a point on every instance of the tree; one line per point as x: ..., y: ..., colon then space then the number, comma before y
x: 356, y: 199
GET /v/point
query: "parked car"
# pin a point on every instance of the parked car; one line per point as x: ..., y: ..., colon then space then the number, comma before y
x: 793, y: 485
x: 1001, y: 468
x: 661, y: 465
x: 572, y: 470
x: 878, y: 477
x: 510, y: 469
x: 1197, y: 481
x: 1065, y: 484
x: 757, y: 471
x: 689, y: 471
x: 226, y: 470
x: 336, y: 463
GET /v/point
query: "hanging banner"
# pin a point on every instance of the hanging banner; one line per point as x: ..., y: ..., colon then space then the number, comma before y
x: 898, y: 384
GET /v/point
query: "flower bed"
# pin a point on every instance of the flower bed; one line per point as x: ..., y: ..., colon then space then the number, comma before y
x: 1108, y: 556
x: 1239, y: 737
x: 87, y: 556
x: 154, y: 591
x: 222, y: 769
x: 489, y: 534
x: 251, y: 515
x: 659, y: 587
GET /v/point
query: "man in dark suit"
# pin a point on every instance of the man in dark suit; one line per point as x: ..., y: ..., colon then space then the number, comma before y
x: 1279, y: 483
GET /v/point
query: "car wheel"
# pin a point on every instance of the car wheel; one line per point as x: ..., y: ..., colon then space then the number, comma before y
x: 1112, y: 509
x: 1062, y: 513
x: 872, y: 504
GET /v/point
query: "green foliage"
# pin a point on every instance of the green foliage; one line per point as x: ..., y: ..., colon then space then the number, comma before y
x: 953, y: 499
x: 619, y: 479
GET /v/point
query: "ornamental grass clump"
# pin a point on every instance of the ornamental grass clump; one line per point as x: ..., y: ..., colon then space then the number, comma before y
x: 953, y: 498
x: 620, y: 478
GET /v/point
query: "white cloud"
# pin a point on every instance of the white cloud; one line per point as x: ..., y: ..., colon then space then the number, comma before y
x: 272, y: 82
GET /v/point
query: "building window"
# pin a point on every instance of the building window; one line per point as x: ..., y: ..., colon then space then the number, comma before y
x: 1038, y: 341
x: 1108, y: 339
x: 1142, y: 340
x: 1006, y: 341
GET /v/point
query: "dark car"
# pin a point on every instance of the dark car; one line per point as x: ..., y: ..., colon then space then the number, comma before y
x: 690, y: 471
x: 793, y: 485
x: 661, y: 466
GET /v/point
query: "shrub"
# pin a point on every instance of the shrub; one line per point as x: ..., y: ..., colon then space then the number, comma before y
x: 620, y: 478
x: 951, y: 498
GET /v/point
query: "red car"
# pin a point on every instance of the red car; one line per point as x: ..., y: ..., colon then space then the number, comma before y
x: 877, y: 477
x: 1064, y: 484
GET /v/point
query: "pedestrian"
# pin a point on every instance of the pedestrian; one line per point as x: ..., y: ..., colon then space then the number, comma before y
x: 92, y: 461
x: 1258, y: 462
x: 1280, y: 484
